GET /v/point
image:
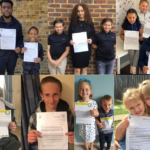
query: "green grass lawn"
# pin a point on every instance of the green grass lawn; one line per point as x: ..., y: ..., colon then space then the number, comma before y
x: 120, y: 111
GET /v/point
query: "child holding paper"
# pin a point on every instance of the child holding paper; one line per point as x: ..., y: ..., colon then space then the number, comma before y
x: 58, y: 49
x: 81, y: 21
x: 105, y: 122
x: 144, y: 14
x: 105, y: 53
x: 32, y: 68
x: 88, y: 132
x: 134, y: 103
x: 10, y: 142
x: 132, y: 23
x: 50, y: 91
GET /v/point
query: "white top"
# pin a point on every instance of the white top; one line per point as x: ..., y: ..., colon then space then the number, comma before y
x: 144, y: 18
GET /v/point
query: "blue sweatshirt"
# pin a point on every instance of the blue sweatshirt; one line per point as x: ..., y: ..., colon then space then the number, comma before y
x: 144, y: 54
x: 14, y: 24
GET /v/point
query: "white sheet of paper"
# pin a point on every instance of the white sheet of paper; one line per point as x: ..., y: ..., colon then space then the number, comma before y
x: 80, y: 40
x: 146, y: 33
x: 5, y: 119
x: 148, y: 71
x: 53, y: 126
x: 31, y: 52
x: 83, y: 115
x: 138, y: 133
x: 8, y: 39
x: 131, y: 41
x: 107, y: 123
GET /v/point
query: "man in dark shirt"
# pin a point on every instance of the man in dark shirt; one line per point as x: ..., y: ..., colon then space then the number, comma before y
x: 58, y: 49
x: 8, y: 58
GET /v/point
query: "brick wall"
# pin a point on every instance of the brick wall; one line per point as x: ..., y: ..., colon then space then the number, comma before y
x: 32, y: 13
x: 41, y: 13
x: 99, y: 9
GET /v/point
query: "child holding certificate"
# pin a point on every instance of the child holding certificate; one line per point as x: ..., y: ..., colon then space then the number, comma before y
x: 88, y: 132
x: 58, y: 49
x: 105, y: 122
x: 81, y: 21
x: 105, y: 53
x: 134, y: 103
x: 33, y: 67
x: 132, y: 23
x: 144, y: 14
x: 50, y: 91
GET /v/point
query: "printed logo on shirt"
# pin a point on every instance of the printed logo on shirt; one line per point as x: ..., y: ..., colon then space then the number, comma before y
x: 147, y: 53
x: 112, y: 37
x: 63, y: 39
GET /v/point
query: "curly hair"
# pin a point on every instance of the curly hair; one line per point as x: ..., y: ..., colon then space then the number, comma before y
x: 125, y: 24
x: 84, y: 81
x: 75, y: 17
x: 7, y: 1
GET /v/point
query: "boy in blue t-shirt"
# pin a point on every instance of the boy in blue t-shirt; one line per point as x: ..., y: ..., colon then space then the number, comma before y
x: 105, y: 122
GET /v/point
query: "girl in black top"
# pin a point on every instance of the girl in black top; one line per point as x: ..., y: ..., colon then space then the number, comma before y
x: 81, y: 22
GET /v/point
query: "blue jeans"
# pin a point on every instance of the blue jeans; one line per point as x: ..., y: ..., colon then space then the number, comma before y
x: 9, y: 64
x: 105, y: 67
x: 122, y: 144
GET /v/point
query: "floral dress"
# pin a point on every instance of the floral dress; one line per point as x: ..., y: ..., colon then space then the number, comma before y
x: 89, y: 132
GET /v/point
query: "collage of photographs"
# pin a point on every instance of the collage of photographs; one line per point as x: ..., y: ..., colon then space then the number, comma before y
x: 75, y: 75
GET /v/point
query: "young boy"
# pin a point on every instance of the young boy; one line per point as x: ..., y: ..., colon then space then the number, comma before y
x: 8, y: 58
x: 133, y: 102
x: 50, y: 91
x: 144, y: 55
x: 32, y: 67
x: 105, y: 112
x: 10, y: 142
x: 58, y: 49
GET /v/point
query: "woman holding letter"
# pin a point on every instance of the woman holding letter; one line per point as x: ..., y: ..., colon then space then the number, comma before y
x: 132, y: 23
x: 81, y: 22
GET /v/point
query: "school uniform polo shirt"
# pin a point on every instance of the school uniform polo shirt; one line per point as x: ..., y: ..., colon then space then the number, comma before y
x: 103, y: 114
x: 105, y: 46
x: 144, y: 18
x: 58, y: 44
x: 133, y: 27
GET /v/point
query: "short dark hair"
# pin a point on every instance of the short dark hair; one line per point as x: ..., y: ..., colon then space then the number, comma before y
x: 33, y: 28
x: 7, y: 1
x: 106, y: 97
x: 58, y: 21
x: 104, y: 21
x: 52, y: 80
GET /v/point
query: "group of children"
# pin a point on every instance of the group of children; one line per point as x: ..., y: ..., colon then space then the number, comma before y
x: 59, y: 44
x: 137, y: 102
x: 135, y: 22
